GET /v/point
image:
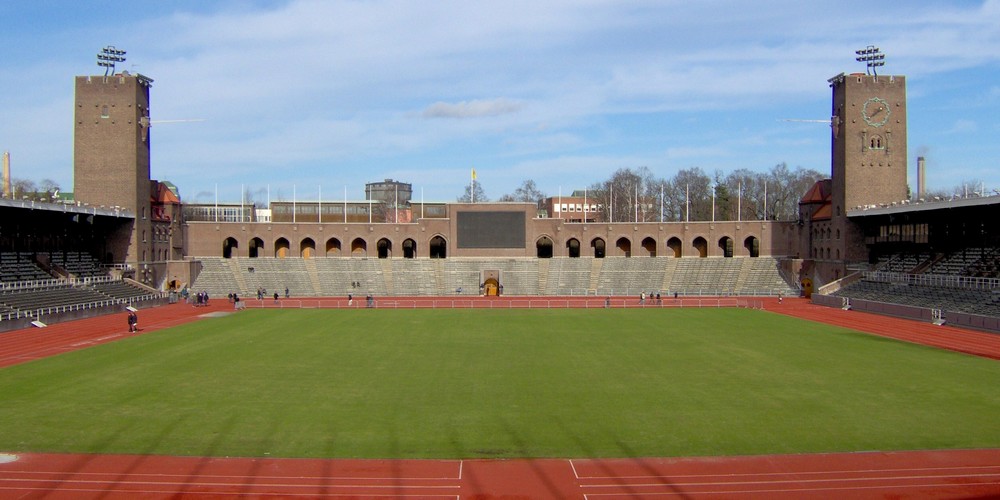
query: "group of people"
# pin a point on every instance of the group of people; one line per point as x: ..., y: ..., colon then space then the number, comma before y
x: 369, y: 300
x: 201, y: 299
x: 652, y: 296
x: 133, y: 322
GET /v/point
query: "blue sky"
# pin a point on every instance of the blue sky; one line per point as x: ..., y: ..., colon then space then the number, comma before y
x: 313, y: 97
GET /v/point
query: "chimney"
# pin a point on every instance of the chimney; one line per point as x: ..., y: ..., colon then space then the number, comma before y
x: 6, y: 174
x: 921, y: 186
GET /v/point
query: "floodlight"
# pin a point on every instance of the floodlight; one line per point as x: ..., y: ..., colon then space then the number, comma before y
x: 108, y: 57
x: 872, y: 57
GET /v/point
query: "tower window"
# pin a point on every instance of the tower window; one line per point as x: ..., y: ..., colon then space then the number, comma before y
x: 876, y: 142
x: 104, y: 111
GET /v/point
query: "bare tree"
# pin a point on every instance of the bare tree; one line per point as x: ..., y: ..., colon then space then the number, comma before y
x: 527, y: 192
x: 480, y: 194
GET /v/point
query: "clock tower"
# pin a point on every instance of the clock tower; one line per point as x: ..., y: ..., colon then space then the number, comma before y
x: 868, y: 157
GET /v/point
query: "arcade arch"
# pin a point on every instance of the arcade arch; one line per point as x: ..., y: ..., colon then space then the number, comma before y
x: 701, y: 246
x: 307, y: 248
x: 752, y: 244
x: 599, y: 247
x: 726, y: 245
x: 333, y: 247
x: 438, y: 248
x: 228, y: 245
x: 359, y: 248
x: 649, y: 245
x: 409, y: 248
x: 573, y: 247
x: 675, y: 245
x: 624, y: 246
x: 383, y: 248
x: 256, y: 247
x: 281, y: 247
x: 543, y: 248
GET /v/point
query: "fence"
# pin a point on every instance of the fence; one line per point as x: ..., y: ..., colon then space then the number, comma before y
x: 504, y: 303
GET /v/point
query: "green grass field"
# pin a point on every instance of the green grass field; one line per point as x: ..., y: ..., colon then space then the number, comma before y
x: 500, y: 383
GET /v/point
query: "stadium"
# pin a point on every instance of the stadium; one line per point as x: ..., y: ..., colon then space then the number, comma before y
x: 497, y: 336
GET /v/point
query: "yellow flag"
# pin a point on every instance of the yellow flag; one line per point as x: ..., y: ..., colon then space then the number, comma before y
x: 473, y: 174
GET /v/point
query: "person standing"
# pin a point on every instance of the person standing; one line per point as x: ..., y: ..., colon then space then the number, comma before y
x: 350, y: 299
x: 642, y: 298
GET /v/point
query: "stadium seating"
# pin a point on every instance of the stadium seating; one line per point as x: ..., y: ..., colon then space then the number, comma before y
x: 332, y: 277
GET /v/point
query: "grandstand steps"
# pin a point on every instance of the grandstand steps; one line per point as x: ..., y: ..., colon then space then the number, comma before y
x: 234, y: 267
x: 438, y: 274
x: 745, y: 268
x: 595, y: 275
x: 386, y: 265
x: 310, y: 265
x: 668, y: 275
x: 543, y: 274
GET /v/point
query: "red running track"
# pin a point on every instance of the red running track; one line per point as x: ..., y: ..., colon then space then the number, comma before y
x: 916, y: 474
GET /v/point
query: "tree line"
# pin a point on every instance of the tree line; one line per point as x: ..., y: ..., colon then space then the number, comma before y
x: 636, y: 195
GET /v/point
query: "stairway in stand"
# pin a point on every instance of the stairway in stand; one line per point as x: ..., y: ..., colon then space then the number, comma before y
x: 310, y: 265
x: 387, y: 276
x: 595, y: 275
x: 236, y: 267
x: 543, y: 275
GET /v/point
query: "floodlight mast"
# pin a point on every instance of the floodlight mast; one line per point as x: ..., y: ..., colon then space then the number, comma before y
x: 872, y: 57
x: 108, y: 57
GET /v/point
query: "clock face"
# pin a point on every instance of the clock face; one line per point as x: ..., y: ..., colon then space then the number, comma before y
x: 875, y: 111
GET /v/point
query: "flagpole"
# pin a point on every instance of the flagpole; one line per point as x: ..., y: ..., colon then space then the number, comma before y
x: 216, y: 202
x: 713, y: 201
x: 739, y: 203
x: 765, y: 200
x: 241, y: 203
x: 584, y: 205
x: 345, y: 203
x: 559, y: 203
x: 320, y: 203
x: 687, y: 203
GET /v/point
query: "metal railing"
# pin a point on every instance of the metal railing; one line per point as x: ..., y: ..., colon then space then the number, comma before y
x: 965, y: 282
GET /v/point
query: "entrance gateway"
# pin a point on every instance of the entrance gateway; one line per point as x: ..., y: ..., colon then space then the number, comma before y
x: 490, y: 282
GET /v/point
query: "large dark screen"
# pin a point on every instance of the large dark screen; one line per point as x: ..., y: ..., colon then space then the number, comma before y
x: 491, y: 229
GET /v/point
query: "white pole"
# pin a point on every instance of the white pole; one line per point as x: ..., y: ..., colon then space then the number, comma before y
x: 216, y: 202
x: 293, y: 203
x: 687, y: 203
x: 636, y: 203
x: 369, y: 209
x: 559, y: 203
x: 713, y: 201
x: 396, y: 202
x: 739, y: 203
x: 765, y: 200
x: 611, y: 202
x: 345, y: 203
x: 241, y: 203
x: 320, y: 203
x: 421, y: 202
x: 584, y: 205
x: 268, y: 196
x: 661, y: 202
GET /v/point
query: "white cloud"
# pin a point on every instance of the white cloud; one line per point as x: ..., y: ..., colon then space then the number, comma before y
x: 472, y: 109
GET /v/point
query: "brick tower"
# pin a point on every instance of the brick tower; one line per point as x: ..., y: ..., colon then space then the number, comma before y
x: 111, y: 155
x: 869, y: 140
